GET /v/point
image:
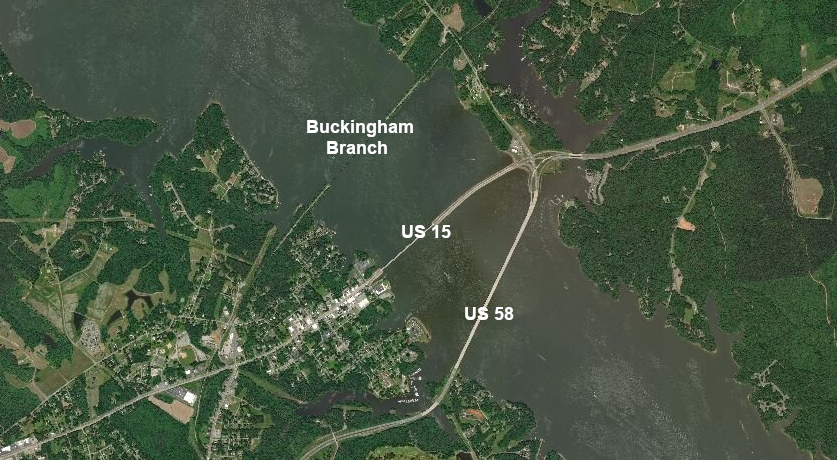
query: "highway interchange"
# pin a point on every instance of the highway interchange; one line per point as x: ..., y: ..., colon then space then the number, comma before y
x: 524, y: 159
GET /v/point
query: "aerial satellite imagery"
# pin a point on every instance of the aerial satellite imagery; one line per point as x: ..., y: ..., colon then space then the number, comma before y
x: 418, y: 230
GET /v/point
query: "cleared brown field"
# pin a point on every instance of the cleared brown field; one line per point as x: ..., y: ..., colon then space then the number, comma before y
x: 7, y: 161
x: 177, y: 409
x: 19, y: 129
x: 454, y: 18
x: 808, y: 194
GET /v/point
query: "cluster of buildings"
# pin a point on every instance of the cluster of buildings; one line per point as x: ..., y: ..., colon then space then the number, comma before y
x: 24, y: 446
x: 184, y: 395
x: 352, y: 301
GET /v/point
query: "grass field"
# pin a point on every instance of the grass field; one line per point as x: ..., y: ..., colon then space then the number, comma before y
x: 51, y: 379
x: 622, y: 6
x: 402, y: 453
x: 679, y: 77
x: 47, y: 197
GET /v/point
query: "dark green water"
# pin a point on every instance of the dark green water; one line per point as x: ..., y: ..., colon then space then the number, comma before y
x: 604, y: 383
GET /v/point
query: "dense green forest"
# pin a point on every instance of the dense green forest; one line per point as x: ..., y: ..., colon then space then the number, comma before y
x: 679, y: 64
x: 285, y: 433
x: 155, y: 433
x: 15, y: 403
x: 768, y: 268
x: 424, y: 434
x: 55, y: 128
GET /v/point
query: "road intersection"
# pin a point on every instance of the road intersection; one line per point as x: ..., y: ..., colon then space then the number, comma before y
x: 525, y: 159
x: 808, y: 78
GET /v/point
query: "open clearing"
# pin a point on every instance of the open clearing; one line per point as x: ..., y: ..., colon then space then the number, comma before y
x: 177, y: 409
x: 684, y: 224
x: 475, y: 413
x: 10, y: 340
x: 461, y: 61
x: 454, y: 19
x: 808, y: 194
x: 51, y: 379
x: 20, y: 129
x: 401, y: 453
x: 681, y: 76
x: 7, y: 161
x: 622, y: 6
x: 79, y: 280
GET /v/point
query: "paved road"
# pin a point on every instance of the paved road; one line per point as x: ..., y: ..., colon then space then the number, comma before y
x: 336, y: 439
x: 462, y: 198
x: 153, y: 392
x: 807, y: 78
x: 328, y: 440
x: 66, y: 221
x: 164, y: 388
x: 367, y: 283
x: 479, y: 185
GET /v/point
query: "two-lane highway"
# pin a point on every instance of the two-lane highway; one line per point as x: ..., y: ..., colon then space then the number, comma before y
x: 335, y: 439
x: 808, y: 78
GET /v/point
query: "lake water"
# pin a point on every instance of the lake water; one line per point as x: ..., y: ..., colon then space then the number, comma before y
x: 603, y: 382
x: 511, y: 67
